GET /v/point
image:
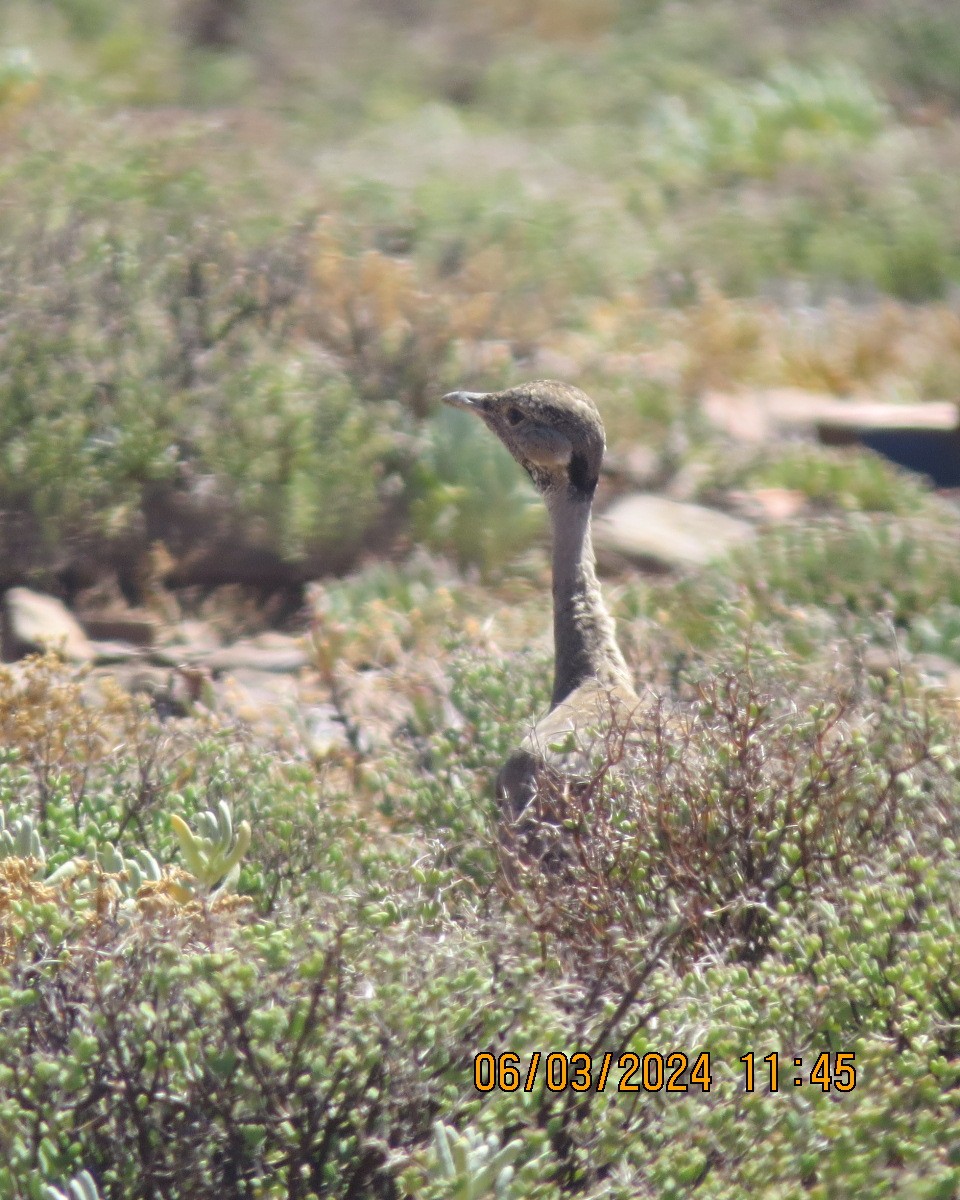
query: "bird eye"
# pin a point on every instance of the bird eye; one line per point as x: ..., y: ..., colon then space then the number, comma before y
x: 514, y: 416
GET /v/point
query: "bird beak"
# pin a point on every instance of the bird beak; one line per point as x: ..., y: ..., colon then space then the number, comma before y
x: 471, y: 401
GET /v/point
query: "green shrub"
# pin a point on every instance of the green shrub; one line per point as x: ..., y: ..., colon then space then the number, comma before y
x: 904, y: 249
x: 105, y: 328
x: 137, y: 368
x: 937, y: 630
x: 838, y: 479
x: 895, y: 244
x: 921, y: 50
x: 300, y: 454
x: 862, y: 564
x: 778, y: 871
x: 823, y: 586
x: 87, y: 20
x: 751, y: 130
x: 471, y: 501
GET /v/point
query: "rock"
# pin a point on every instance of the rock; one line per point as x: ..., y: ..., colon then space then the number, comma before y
x: 638, y: 465
x: 652, y: 530
x: 105, y: 653
x: 754, y: 416
x: 771, y: 505
x: 259, y: 697
x: 940, y: 673
x: 186, y: 640
x: 273, y: 653
x: 743, y: 416
x: 281, y: 706
x: 935, y: 416
x: 35, y: 623
x: 139, y: 629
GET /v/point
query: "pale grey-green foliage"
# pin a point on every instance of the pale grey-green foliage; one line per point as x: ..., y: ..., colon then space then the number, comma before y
x: 20, y: 839
x: 753, y: 128
x: 474, y: 1166
x: 81, y: 1187
x: 132, y: 873
x: 214, y: 851
x: 18, y: 69
x: 472, y: 502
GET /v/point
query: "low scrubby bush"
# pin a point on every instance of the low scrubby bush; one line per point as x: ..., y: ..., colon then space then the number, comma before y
x: 752, y: 130
x: 853, y: 480
x: 715, y: 816
x: 472, y: 503
x: 826, y: 585
x: 775, y: 869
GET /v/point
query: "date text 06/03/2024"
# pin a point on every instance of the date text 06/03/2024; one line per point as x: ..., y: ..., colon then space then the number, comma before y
x: 674, y: 1071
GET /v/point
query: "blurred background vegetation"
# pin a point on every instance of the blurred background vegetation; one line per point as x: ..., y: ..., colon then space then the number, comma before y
x: 245, y: 246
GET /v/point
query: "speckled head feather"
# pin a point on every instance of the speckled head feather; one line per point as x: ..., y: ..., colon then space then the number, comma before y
x: 552, y: 429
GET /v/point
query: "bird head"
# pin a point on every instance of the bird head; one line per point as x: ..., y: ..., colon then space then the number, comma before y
x: 552, y: 429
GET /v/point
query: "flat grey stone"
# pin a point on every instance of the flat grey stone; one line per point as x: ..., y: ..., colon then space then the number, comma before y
x: 35, y: 623
x: 198, y: 636
x: 653, y: 529
x: 757, y: 415
x: 116, y: 652
x: 940, y: 673
x: 276, y: 654
x: 276, y: 705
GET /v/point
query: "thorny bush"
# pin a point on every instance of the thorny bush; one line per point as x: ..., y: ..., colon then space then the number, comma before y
x: 698, y: 820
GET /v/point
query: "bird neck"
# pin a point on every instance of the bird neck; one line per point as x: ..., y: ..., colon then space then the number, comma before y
x: 585, y: 644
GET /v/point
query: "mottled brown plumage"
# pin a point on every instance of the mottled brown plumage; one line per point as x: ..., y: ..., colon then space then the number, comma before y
x: 554, y: 432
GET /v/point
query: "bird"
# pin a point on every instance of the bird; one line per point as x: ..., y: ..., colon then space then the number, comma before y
x: 554, y: 431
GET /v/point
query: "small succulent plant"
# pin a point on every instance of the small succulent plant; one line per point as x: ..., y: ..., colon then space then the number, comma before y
x: 474, y: 1166
x: 20, y: 839
x: 213, y: 853
x: 131, y: 873
x: 81, y: 1187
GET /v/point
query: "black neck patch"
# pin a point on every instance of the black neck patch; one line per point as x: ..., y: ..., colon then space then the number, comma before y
x: 581, y: 477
